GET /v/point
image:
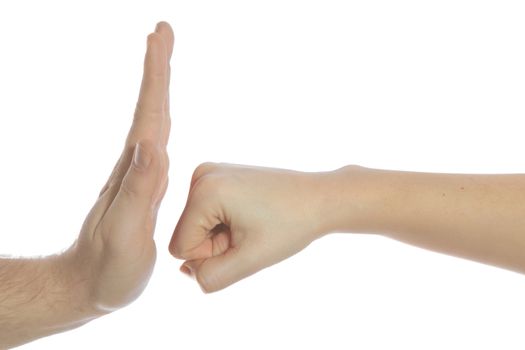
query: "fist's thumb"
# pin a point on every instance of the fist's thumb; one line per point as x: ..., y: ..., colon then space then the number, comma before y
x: 220, y: 271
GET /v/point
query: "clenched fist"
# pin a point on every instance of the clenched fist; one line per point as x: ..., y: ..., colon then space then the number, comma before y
x: 240, y: 219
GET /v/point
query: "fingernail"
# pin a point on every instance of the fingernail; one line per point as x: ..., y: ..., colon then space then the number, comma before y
x: 141, y: 157
x: 186, y: 270
x: 157, y: 27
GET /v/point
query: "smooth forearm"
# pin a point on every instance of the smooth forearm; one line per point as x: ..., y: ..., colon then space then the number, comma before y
x: 39, y: 297
x: 479, y: 217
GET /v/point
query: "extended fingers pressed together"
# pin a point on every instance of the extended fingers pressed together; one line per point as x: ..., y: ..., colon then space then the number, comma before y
x: 151, y: 122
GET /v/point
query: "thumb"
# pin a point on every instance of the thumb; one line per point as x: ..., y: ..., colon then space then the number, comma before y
x: 132, y: 212
x: 220, y: 271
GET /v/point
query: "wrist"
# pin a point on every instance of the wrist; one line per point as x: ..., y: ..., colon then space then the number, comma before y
x: 349, y: 200
x: 75, y: 285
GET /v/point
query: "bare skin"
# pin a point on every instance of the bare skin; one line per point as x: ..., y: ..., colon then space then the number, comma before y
x: 111, y: 261
x: 239, y: 219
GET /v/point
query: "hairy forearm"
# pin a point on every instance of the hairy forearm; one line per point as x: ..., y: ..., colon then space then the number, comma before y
x: 479, y: 217
x: 38, y: 298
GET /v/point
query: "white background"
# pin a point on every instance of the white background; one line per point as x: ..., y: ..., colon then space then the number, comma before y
x: 309, y: 85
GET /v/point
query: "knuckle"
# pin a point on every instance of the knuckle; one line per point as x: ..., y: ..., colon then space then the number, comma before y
x: 206, y: 186
x: 202, y: 170
x: 175, y: 251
